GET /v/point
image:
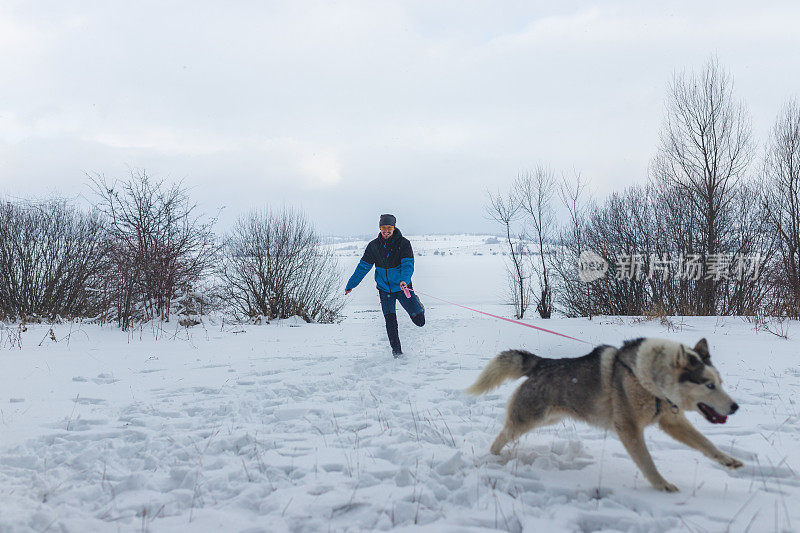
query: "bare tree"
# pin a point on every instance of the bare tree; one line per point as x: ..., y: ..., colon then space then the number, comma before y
x: 505, y: 210
x: 782, y: 204
x: 276, y: 266
x: 160, y: 245
x: 573, y: 294
x: 51, y: 256
x: 705, y: 150
x: 534, y: 194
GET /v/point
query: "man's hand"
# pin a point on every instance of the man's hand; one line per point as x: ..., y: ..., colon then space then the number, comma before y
x: 403, y: 285
x: 348, y: 291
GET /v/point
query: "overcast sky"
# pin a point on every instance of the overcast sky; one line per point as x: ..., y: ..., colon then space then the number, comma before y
x: 351, y: 109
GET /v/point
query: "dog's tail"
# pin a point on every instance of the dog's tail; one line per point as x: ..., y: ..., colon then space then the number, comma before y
x: 511, y: 364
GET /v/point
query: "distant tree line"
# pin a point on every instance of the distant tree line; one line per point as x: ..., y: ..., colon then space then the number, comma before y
x: 715, y: 230
x: 144, y: 253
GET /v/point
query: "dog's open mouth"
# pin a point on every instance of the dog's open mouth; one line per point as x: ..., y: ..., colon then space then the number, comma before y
x: 711, y: 415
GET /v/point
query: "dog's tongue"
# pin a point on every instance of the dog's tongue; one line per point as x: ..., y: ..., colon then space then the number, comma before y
x: 719, y: 419
x: 711, y: 415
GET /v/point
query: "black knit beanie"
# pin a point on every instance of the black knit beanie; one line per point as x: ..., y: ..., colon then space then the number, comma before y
x: 387, y: 220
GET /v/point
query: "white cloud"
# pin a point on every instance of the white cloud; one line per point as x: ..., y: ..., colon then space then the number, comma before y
x: 314, y: 166
x: 307, y: 101
x: 637, y: 24
x: 17, y: 35
x: 321, y: 168
x: 165, y: 141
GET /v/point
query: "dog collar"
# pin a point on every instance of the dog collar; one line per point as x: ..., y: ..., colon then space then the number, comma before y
x: 672, y: 407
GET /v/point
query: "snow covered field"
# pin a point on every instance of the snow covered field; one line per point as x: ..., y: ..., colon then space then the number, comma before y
x: 297, y: 427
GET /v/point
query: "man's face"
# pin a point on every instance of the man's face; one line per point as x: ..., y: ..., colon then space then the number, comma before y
x: 386, y: 231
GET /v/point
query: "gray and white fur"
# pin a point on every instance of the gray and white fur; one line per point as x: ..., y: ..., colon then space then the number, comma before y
x: 644, y: 382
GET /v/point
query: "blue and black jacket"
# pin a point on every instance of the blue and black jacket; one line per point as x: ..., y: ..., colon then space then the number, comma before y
x: 393, y: 260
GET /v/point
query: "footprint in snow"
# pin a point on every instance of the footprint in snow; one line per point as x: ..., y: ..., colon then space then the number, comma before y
x: 88, y: 401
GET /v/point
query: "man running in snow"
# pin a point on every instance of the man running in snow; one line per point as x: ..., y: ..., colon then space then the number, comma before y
x: 394, y: 264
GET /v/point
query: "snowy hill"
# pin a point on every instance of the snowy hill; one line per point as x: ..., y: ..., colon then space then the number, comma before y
x: 425, y: 245
x: 310, y: 427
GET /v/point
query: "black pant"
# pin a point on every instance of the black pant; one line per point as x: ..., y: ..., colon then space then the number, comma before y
x: 411, y: 305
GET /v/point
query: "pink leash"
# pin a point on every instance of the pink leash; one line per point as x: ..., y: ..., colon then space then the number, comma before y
x: 407, y: 292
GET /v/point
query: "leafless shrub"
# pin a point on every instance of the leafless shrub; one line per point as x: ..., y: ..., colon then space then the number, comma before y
x: 276, y: 266
x: 621, y: 228
x: 160, y: 246
x: 51, y: 254
x: 638, y: 233
x: 748, y: 288
x: 658, y: 313
x: 11, y: 336
x: 778, y: 326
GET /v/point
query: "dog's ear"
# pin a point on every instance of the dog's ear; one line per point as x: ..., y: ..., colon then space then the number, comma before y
x: 686, y: 360
x: 681, y: 358
x: 702, y: 350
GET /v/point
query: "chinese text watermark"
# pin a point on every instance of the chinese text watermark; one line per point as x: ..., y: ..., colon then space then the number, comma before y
x: 689, y: 267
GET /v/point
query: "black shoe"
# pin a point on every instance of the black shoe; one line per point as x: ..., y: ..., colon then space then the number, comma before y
x: 397, y: 352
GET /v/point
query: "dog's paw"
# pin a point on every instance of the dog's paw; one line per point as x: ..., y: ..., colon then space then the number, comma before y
x: 666, y: 486
x: 729, y: 462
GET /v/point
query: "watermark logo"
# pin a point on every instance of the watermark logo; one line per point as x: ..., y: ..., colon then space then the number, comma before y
x: 591, y: 266
x: 690, y: 267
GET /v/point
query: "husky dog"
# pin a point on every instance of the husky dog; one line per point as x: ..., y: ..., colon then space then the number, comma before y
x: 626, y: 389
